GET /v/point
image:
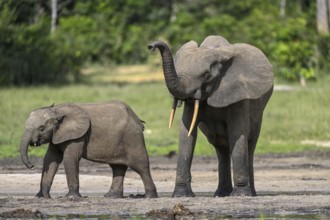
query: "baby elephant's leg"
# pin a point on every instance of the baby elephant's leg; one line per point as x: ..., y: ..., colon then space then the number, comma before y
x: 71, y: 159
x: 51, y: 162
x: 150, y: 189
x: 118, y: 174
x: 143, y: 169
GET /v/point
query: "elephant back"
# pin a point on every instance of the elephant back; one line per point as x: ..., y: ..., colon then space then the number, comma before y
x: 115, y: 117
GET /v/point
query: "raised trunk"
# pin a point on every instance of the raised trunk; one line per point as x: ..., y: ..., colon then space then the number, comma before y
x: 24, y: 149
x: 172, y: 81
x: 171, y: 77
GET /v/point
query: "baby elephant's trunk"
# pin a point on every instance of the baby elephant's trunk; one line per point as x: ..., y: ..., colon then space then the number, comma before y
x: 24, y: 149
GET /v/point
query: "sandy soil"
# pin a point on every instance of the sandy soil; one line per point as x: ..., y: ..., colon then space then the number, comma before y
x: 295, y: 186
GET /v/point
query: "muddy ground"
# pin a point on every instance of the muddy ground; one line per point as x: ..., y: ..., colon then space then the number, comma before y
x: 288, y: 186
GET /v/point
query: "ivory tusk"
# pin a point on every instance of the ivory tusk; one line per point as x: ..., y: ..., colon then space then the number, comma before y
x: 196, y: 107
x: 171, y: 117
x: 175, y: 102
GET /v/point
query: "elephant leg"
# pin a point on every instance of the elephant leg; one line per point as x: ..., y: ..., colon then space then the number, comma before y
x: 251, y: 172
x: 143, y: 170
x: 239, y: 130
x: 252, y: 146
x: 72, y: 155
x: 149, y: 186
x: 225, y: 185
x: 185, y: 156
x: 117, y: 185
x: 52, y: 160
x: 241, y: 170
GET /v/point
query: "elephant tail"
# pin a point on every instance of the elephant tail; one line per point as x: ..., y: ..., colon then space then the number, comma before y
x: 134, y: 117
x: 143, y: 122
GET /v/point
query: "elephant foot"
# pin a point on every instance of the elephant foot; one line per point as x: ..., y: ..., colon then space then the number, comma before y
x: 41, y: 195
x: 223, y: 192
x: 242, y: 191
x: 180, y: 191
x: 73, y: 195
x: 114, y: 195
x: 151, y: 194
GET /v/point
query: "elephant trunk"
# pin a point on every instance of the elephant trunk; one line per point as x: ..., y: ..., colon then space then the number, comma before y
x: 171, y: 78
x: 172, y: 81
x: 25, y: 141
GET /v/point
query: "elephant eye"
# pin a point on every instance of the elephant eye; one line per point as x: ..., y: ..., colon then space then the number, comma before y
x: 41, y: 128
x: 206, y: 76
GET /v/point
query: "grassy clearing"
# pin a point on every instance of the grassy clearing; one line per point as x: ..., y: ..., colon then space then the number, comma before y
x: 290, y: 117
x: 293, y: 117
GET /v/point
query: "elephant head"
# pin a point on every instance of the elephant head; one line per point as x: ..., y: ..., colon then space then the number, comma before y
x: 55, y: 124
x: 217, y: 72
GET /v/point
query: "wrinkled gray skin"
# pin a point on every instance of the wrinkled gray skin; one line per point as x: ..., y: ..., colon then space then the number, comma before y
x: 233, y: 83
x: 102, y: 132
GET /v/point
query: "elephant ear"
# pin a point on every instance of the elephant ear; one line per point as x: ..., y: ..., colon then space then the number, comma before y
x: 74, y: 123
x: 246, y: 74
x: 185, y: 48
x: 212, y: 42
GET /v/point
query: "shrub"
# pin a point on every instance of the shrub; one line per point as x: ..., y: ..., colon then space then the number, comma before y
x: 29, y: 55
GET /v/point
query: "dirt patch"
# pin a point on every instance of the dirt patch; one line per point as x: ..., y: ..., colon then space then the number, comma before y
x: 176, y: 212
x: 287, y: 186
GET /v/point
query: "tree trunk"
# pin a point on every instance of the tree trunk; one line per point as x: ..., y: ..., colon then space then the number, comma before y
x: 54, y: 15
x: 322, y: 17
x: 282, y: 8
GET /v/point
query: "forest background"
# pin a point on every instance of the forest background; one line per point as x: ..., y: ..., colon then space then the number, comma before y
x: 48, y: 41
x: 53, y: 50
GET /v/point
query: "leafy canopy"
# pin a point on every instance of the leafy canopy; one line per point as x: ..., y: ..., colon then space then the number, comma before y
x: 117, y: 32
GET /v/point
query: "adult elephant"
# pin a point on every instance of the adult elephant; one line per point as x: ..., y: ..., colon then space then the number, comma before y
x: 225, y: 88
x: 107, y: 132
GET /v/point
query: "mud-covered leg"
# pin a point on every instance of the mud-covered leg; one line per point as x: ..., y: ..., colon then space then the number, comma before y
x: 251, y: 172
x: 252, y: 146
x: 185, y: 156
x: 238, y: 123
x: 52, y: 160
x: 117, y: 188
x: 225, y: 185
x: 183, y: 173
x: 142, y: 167
x: 149, y: 186
x: 241, y: 168
x: 71, y: 158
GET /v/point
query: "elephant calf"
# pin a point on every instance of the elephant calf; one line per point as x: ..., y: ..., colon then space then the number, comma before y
x: 102, y: 132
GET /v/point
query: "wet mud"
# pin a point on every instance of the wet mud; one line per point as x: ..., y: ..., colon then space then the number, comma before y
x: 294, y: 186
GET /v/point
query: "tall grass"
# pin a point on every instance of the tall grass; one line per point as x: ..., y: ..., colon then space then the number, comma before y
x: 290, y: 117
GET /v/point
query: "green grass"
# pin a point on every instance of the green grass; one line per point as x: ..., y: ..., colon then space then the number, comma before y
x: 289, y: 118
x: 294, y: 116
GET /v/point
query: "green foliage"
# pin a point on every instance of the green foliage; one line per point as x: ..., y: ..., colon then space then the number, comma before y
x: 324, y: 54
x: 294, y: 52
x: 290, y: 42
x: 29, y: 55
x: 118, y: 31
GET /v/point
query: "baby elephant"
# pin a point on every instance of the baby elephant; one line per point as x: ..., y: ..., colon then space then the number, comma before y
x: 102, y: 132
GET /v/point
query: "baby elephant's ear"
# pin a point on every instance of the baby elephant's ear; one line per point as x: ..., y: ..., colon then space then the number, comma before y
x: 73, y: 123
x: 246, y: 74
